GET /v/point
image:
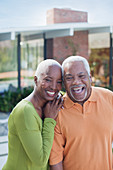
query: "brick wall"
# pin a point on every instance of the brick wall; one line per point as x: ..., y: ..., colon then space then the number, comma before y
x: 66, y: 46
x: 62, y: 47
x: 65, y: 15
x: 49, y: 47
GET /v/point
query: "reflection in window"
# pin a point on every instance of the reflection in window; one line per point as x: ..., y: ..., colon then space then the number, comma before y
x: 8, y: 64
x: 31, y: 56
x: 99, y: 58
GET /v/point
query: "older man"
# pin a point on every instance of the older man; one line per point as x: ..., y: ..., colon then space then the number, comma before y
x: 84, y: 130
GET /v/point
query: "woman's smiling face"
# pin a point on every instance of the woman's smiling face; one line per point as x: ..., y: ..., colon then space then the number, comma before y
x: 49, y: 82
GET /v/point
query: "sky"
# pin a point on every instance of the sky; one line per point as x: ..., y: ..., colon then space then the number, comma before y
x: 30, y: 13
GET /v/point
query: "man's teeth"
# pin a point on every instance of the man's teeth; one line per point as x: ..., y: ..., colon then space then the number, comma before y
x: 52, y: 93
x: 77, y: 90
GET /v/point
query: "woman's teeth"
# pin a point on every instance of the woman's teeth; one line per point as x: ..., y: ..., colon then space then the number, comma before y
x: 51, y: 93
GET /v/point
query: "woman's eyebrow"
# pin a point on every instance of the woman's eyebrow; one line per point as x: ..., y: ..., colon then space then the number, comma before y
x: 47, y: 76
x: 68, y: 74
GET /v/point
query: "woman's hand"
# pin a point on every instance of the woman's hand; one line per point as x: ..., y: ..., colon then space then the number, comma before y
x: 52, y: 108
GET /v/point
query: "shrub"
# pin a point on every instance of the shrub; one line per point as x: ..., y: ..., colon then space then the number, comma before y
x: 110, y: 88
x: 9, y: 99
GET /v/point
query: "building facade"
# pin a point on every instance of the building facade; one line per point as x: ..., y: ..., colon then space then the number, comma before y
x: 61, y: 47
x: 67, y: 33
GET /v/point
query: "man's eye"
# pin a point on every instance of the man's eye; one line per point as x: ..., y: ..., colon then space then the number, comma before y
x: 82, y: 76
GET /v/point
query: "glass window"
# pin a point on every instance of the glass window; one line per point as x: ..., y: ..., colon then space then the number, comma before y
x: 8, y: 64
x: 99, y: 58
x: 31, y: 56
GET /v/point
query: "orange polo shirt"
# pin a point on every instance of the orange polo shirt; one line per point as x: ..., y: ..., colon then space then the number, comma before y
x: 83, y: 135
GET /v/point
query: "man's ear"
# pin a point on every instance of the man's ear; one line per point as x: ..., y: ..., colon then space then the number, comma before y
x: 35, y: 80
x: 90, y: 77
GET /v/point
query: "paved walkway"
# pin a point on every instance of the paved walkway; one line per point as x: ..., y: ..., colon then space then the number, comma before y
x: 3, y: 138
x: 3, y: 124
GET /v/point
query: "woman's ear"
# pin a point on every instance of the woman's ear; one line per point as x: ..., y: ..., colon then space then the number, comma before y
x: 35, y: 80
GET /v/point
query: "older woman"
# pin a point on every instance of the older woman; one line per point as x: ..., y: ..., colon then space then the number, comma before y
x: 31, y: 123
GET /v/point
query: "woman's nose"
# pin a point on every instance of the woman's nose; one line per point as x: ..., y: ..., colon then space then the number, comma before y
x: 54, y: 85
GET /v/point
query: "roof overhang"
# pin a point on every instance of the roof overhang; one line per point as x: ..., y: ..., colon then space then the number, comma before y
x: 53, y: 31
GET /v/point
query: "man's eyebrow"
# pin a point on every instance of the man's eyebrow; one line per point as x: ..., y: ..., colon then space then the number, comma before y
x: 77, y: 73
x: 81, y: 72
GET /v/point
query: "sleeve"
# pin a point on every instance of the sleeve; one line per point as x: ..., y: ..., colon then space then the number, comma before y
x: 36, y: 142
x: 57, y: 150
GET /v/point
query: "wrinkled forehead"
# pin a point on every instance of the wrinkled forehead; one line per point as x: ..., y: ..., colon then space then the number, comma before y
x: 73, y: 65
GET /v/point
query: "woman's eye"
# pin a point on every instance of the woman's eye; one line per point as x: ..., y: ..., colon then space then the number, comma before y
x: 48, y: 80
x: 59, y: 82
x: 69, y: 78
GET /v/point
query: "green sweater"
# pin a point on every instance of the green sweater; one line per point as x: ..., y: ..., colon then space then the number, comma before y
x: 29, y: 139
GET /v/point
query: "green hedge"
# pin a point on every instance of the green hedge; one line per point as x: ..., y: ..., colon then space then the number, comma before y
x: 10, y: 98
x: 110, y: 88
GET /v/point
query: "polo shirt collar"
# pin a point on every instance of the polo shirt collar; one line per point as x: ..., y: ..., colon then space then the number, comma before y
x: 93, y: 96
x: 68, y: 103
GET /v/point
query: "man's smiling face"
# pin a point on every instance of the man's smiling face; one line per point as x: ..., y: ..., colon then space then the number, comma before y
x: 77, y: 81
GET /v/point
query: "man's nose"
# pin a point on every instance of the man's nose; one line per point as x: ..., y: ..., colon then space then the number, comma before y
x: 76, y: 80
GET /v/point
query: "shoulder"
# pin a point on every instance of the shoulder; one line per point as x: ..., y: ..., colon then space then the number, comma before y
x: 23, y: 110
x: 22, y: 106
x: 103, y: 94
x: 102, y: 90
x: 24, y: 115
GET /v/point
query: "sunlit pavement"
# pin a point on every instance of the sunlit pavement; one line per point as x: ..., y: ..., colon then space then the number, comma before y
x: 3, y: 150
x: 3, y: 138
